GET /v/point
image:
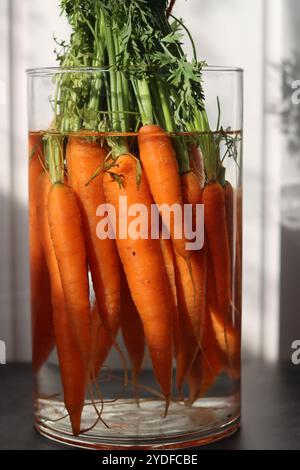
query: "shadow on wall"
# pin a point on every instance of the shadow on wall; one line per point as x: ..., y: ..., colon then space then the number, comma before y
x: 14, y: 279
x: 290, y: 206
x: 289, y: 285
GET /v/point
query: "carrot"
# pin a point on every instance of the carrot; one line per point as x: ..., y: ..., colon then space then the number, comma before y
x: 216, y: 229
x: 233, y: 325
x: 239, y: 209
x: 220, y: 324
x: 132, y: 330
x: 101, y: 341
x: 72, y: 367
x: 169, y: 262
x: 187, y: 351
x: 197, y: 164
x: 228, y: 195
x: 143, y: 266
x: 84, y: 158
x: 192, y: 276
x: 194, y: 378
x: 235, y: 369
x: 239, y: 243
x: 211, y: 292
x: 210, y: 359
x: 208, y: 363
x: 69, y: 246
x: 191, y: 188
x: 190, y: 281
x: 227, y: 335
x: 191, y: 192
x: 159, y: 162
x: 232, y: 345
x: 168, y: 256
x: 42, y: 322
x: 191, y: 299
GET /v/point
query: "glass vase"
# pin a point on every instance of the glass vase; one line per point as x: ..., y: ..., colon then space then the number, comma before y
x: 136, y: 310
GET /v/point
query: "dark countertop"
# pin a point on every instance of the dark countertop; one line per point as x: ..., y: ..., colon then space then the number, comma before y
x: 270, y: 417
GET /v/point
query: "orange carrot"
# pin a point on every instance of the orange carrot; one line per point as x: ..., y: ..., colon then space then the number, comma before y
x: 191, y: 276
x: 210, y: 359
x: 233, y: 323
x: 228, y: 195
x: 191, y: 281
x: 239, y: 243
x: 208, y: 363
x: 235, y: 369
x: 132, y: 330
x: 101, y: 341
x: 84, y: 158
x: 191, y: 188
x: 194, y: 378
x: 231, y: 346
x: 187, y: 351
x: 216, y: 229
x: 191, y: 192
x: 197, y: 164
x: 159, y: 162
x: 72, y: 368
x: 42, y: 321
x: 144, y: 269
x: 239, y: 210
x: 69, y: 246
x: 211, y: 291
x: 227, y: 334
x: 168, y: 256
x: 169, y: 261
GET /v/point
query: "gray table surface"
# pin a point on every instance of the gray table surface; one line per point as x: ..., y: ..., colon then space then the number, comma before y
x: 270, y: 416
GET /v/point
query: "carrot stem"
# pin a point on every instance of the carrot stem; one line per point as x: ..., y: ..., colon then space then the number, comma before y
x: 112, y: 73
x: 55, y: 157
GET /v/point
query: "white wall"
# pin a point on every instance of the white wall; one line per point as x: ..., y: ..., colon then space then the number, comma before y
x: 5, y: 181
x: 227, y: 32
x: 26, y: 38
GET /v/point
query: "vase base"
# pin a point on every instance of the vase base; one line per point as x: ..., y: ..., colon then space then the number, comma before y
x: 144, y: 428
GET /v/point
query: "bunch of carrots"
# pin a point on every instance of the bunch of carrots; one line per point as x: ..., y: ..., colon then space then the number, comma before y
x: 185, y: 306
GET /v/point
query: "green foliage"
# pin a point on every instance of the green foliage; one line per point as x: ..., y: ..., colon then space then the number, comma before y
x: 148, y: 72
x: 149, y: 50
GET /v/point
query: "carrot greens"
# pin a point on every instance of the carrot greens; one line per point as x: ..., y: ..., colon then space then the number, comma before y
x: 149, y: 78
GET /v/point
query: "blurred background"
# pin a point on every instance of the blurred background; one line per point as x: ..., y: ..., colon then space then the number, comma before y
x: 262, y: 36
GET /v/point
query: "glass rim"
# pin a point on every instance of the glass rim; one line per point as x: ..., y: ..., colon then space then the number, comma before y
x: 46, y: 71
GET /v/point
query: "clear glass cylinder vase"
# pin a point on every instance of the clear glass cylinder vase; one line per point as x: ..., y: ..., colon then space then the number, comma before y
x: 136, y: 305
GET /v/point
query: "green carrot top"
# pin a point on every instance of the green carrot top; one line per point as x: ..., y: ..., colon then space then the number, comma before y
x: 148, y: 79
